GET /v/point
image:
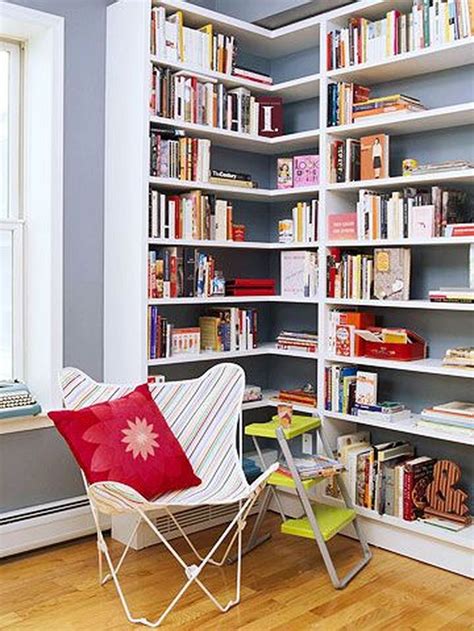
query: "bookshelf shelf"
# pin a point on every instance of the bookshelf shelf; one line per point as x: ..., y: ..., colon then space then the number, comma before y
x: 233, y: 192
x: 430, y: 366
x: 239, y: 245
x: 299, y: 89
x: 126, y: 222
x: 402, y: 304
x: 224, y: 300
x: 381, y: 243
x: 410, y: 64
x: 263, y: 349
x: 411, y: 123
x: 408, y: 427
x: 244, y: 142
x: 465, y: 176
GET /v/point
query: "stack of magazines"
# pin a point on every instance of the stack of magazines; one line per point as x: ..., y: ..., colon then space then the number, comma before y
x: 450, y: 165
x: 461, y: 357
x: 313, y: 466
x: 298, y: 340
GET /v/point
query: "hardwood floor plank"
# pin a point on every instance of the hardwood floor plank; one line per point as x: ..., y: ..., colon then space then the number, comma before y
x: 284, y: 585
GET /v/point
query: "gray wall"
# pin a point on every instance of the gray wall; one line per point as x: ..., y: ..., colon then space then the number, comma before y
x: 35, y: 466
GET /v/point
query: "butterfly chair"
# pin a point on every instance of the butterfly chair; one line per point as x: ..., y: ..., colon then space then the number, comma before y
x: 204, y: 415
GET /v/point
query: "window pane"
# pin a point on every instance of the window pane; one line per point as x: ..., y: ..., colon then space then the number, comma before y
x: 6, y: 304
x: 4, y: 140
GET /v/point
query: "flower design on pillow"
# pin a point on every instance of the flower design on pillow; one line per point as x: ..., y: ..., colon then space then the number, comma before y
x: 140, y: 438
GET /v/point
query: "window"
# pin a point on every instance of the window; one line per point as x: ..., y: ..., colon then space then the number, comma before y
x: 11, y: 220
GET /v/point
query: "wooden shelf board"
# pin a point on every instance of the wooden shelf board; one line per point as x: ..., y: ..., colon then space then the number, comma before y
x: 263, y: 349
x: 461, y: 176
x: 453, y: 55
x: 408, y: 427
x: 246, y: 245
x: 257, y: 194
x: 370, y: 243
x: 402, y: 304
x: 204, y: 300
x: 432, y: 366
x: 410, y: 123
x: 244, y: 142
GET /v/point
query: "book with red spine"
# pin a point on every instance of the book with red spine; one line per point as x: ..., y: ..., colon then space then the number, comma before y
x: 417, y: 473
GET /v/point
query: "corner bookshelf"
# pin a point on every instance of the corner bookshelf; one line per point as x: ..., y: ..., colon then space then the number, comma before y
x: 127, y: 243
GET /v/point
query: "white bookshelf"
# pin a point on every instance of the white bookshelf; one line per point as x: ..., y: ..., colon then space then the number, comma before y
x: 126, y: 221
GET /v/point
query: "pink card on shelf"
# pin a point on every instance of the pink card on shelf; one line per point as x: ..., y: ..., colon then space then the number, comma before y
x: 305, y: 170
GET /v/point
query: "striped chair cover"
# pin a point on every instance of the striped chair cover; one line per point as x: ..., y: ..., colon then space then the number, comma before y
x: 203, y: 414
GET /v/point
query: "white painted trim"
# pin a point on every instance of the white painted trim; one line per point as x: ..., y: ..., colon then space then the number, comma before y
x: 43, y: 35
x: 45, y: 530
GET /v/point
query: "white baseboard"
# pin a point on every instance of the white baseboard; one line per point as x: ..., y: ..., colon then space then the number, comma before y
x: 47, y: 524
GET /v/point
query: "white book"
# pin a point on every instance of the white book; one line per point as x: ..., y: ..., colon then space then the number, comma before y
x: 293, y: 276
x: 221, y: 219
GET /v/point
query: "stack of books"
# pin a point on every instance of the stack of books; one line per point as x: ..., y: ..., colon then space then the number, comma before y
x: 232, y: 178
x: 386, y: 411
x: 229, y: 329
x: 452, y: 294
x: 302, y: 227
x: 427, y: 24
x: 252, y: 393
x: 440, y: 167
x: 298, y: 340
x: 342, y: 97
x: 313, y: 467
x: 299, y: 274
x: 188, y: 98
x: 177, y: 272
x: 201, y: 48
x: 250, y: 287
x: 372, y: 109
x: 174, y: 156
x: 453, y: 417
x: 299, y: 396
x: 194, y: 215
x: 461, y: 357
x: 252, y: 75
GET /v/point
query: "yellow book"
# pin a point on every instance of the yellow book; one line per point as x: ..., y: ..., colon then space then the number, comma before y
x: 207, y: 30
x: 394, y: 336
x: 299, y: 223
x: 209, y: 327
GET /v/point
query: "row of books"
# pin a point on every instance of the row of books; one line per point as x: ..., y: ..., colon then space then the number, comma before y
x: 306, y: 341
x: 382, y: 477
x: 430, y: 23
x: 193, y: 215
x: 385, y: 275
x: 190, y: 99
x: 350, y: 103
x: 201, y: 48
x: 351, y: 160
x: 220, y: 330
x: 303, y: 225
x: 173, y: 155
x: 299, y: 273
x: 183, y: 272
x: 452, y: 294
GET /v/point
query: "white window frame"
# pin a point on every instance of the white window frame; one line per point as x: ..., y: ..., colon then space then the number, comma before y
x: 40, y: 202
x: 15, y: 228
x: 14, y: 49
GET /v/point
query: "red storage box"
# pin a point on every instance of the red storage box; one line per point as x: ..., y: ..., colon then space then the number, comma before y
x: 415, y: 349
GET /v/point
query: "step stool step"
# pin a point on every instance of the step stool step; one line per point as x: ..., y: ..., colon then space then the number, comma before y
x: 331, y: 520
x: 280, y: 479
x: 299, y: 425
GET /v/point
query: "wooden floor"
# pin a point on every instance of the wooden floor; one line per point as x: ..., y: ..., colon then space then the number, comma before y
x: 284, y: 587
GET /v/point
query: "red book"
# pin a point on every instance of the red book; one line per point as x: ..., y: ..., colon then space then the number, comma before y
x: 270, y: 116
x: 251, y: 282
x: 249, y: 291
x: 417, y: 474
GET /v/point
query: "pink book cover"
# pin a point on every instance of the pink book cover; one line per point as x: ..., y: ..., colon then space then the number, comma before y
x: 285, y: 173
x: 305, y: 170
x: 342, y: 226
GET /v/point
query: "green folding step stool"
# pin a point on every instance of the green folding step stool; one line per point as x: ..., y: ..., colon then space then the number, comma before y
x: 321, y: 522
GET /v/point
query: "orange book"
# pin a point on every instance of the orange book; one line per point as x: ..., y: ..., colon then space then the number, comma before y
x: 374, y: 157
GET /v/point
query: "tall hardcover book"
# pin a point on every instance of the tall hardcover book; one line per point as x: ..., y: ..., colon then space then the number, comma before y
x: 374, y: 157
x: 392, y: 273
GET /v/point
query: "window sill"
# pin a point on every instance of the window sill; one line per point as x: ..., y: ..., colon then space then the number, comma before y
x: 25, y: 423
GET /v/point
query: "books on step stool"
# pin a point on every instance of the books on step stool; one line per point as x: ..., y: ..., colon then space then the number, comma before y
x: 312, y: 467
